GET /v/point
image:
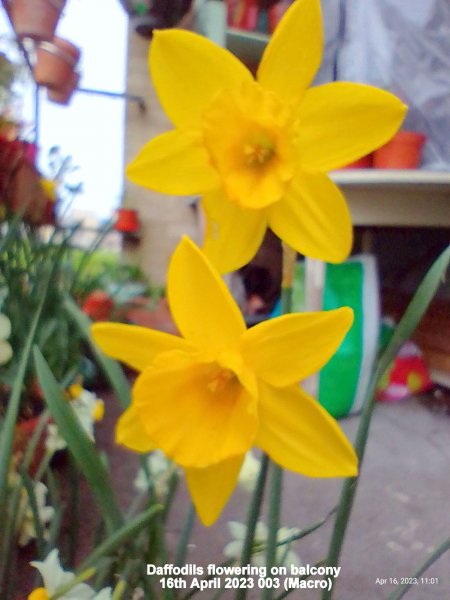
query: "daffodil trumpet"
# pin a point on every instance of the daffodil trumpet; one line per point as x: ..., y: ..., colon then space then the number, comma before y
x: 206, y: 397
x: 258, y: 150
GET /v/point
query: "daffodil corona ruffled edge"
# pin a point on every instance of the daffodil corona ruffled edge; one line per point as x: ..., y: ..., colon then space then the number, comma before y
x: 207, y: 397
x: 258, y: 151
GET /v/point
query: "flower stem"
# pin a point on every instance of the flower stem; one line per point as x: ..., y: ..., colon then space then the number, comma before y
x: 185, y: 536
x: 252, y: 519
x: 401, y: 591
x: 276, y: 483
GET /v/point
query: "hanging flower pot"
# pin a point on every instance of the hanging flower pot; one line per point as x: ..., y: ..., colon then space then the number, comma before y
x: 403, y: 151
x: 127, y: 221
x: 55, y: 63
x: 64, y: 94
x: 36, y: 18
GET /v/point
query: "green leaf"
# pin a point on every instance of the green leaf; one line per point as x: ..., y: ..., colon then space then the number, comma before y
x: 118, y: 538
x: 80, y: 445
x: 111, y: 368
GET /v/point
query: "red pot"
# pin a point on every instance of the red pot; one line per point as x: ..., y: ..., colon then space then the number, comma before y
x: 55, y: 63
x: 36, y: 18
x: 64, y: 94
x: 127, y: 220
x: 403, y: 151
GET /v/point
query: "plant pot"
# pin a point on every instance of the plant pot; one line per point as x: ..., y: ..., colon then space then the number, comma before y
x: 127, y: 220
x: 36, y: 19
x: 25, y: 194
x: 64, y: 94
x: 55, y: 63
x: 404, y: 151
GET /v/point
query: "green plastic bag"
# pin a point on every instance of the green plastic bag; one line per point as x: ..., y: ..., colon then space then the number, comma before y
x: 344, y: 380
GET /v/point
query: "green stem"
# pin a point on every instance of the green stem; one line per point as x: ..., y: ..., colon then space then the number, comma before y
x: 180, y: 556
x: 252, y: 519
x: 401, y: 591
x: 276, y: 483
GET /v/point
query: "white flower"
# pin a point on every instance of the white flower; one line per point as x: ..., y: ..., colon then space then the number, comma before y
x: 249, y: 472
x: 6, y: 350
x: 26, y: 522
x: 88, y: 409
x: 5, y: 327
x: 160, y: 468
x: 284, y: 555
x: 55, y: 577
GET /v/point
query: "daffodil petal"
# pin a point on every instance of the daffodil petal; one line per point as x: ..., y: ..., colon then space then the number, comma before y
x: 134, y: 345
x: 188, y: 70
x: 294, y: 52
x: 288, y: 349
x: 298, y: 434
x: 211, y: 488
x: 233, y: 234
x: 314, y: 218
x: 342, y: 121
x: 201, y: 304
x: 173, y: 163
x: 131, y: 433
x: 192, y: 413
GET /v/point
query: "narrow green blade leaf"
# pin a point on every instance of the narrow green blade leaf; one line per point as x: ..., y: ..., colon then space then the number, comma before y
x: 119, y: 537
x: 113, y: 371
x: 81, y: 447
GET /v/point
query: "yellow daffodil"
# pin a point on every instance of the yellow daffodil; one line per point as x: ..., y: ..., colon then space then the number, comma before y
x: 207, y: 397
x: 258, y: 150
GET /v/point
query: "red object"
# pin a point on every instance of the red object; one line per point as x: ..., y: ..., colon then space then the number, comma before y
x: 98, y: 306
x: 36, y: 18
x: 404, y: 151
x: 127, y: 221
x: 55, y: 63
x: 64, y: 94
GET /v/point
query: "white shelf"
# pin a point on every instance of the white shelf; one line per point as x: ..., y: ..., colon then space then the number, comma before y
x: 396, y: 198
x: 388, y: 177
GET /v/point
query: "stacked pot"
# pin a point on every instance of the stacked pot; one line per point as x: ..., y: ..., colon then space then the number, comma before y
x: 56, y: 58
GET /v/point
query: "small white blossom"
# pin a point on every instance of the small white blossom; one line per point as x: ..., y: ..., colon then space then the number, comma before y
x: 26, y: 524
x: 284, y: 555
x: 88, y: 409
x: 249, y: 472
x: 55, y: 577
x: 5, y: 327
x: 160, y: 468
x: 6, y: 352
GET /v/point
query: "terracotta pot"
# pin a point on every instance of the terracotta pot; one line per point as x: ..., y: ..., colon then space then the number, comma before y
x: 25, y: 194
x: 404, y: 151
x: 55, y: 63
x: 64, y: 94
x: 36, y: 18
x: 127, y: 220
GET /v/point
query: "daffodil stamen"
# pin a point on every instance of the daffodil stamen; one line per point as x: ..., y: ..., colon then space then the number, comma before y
x: 257, y: 153
x: 220, y: 378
